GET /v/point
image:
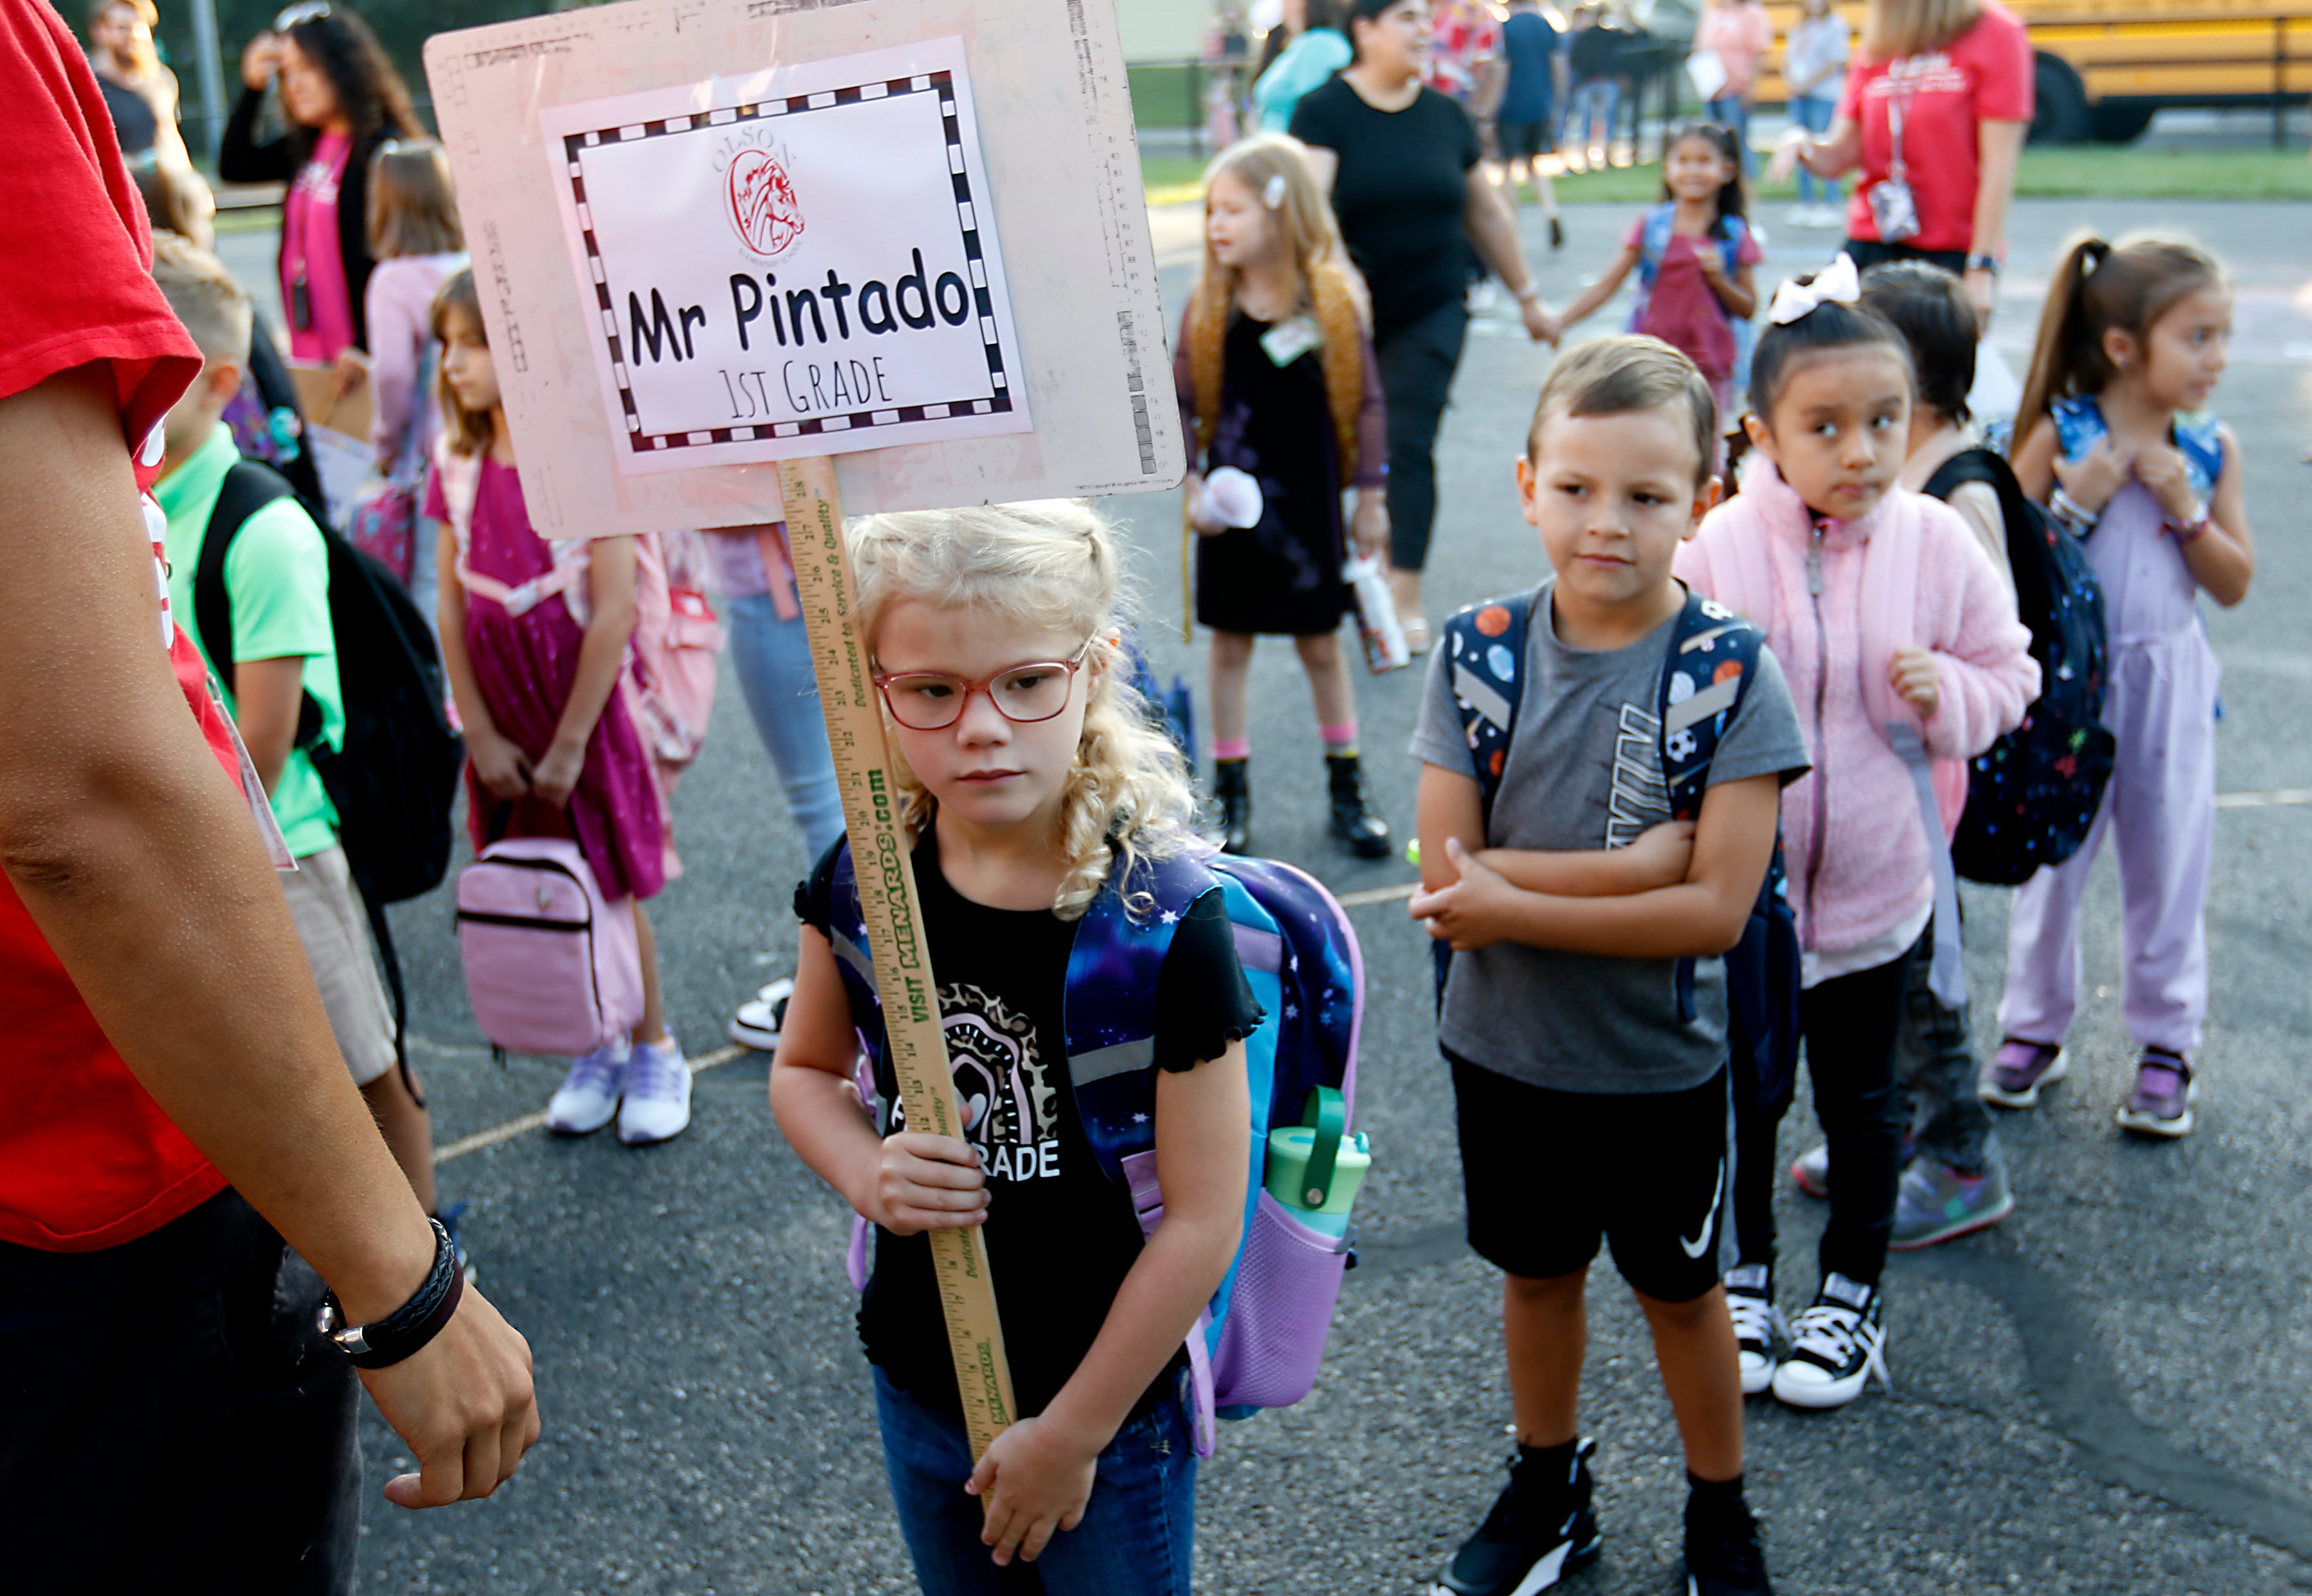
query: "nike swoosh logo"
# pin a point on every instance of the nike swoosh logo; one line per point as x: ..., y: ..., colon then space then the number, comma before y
x: 1696, y: 1248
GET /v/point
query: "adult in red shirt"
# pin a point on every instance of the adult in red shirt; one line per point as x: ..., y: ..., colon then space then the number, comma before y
x: 171, y: 1104
x: 1940, y: 99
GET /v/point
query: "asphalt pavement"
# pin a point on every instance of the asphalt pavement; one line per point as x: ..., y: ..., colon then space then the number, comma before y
x: 2105, y: 1393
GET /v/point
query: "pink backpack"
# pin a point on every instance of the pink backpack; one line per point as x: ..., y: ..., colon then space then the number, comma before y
x: 669, y: 680
x: 551, y: 966
x: 671, y: 669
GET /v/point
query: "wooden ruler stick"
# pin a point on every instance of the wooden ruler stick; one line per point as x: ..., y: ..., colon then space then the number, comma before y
x: 880, y: 860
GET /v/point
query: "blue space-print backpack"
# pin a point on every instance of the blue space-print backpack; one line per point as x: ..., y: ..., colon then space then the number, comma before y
x: 2032, y: 796
x: 1262, y: 1337
x: 1712, y: 658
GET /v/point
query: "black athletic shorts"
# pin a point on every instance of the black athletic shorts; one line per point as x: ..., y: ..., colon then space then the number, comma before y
x: 1549, y: 1173
x: 1525, y: 141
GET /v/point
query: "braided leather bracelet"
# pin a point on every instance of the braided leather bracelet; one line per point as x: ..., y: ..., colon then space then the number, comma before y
x: 408, y: 1327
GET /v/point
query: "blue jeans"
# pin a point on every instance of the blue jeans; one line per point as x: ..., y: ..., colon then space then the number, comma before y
x: 1814, y: 113
x: 1138, y: 1534
x: 1592, y: 106
x: 1729, y: 111
x: 772, y: 658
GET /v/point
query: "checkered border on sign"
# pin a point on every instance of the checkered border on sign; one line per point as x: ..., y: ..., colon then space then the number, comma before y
x: 966, y: 214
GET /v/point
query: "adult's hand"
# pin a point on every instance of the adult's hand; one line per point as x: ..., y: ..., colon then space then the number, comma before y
x: 463, y: 1405
x: 1788, y: 149
x: 260, y: 60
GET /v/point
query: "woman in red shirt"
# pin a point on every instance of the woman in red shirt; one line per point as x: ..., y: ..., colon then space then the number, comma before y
x: 1934, y: 113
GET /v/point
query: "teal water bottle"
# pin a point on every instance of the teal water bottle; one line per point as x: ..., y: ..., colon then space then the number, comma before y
x: 1315, y: 1167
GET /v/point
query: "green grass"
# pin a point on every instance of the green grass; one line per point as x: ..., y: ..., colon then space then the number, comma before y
x: 2084, y: 172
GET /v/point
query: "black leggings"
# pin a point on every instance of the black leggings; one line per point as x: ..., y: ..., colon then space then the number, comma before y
x: 1417, y: 362
x: 1850, y: 1024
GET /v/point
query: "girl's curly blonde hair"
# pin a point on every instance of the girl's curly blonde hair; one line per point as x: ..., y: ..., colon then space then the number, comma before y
x: 1052, y: 565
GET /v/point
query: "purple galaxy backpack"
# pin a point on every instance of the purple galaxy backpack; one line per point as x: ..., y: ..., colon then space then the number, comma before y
x: 1260, y: 1341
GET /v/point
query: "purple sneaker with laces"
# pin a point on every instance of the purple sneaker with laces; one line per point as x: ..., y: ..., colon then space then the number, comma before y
x: 2161, y: 1104
x: 2019, y: 1069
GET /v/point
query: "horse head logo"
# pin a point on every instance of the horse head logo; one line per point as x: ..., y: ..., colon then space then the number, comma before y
x: 761, y: 200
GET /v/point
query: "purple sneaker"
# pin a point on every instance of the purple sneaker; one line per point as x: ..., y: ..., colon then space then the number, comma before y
x: 2162, y: 1102
x: 2019, y: 1069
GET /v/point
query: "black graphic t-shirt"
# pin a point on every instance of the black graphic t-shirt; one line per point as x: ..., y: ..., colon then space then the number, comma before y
x: 1061, y: 1235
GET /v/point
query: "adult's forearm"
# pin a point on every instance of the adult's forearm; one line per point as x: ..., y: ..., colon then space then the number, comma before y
x: 1493, y: 233
x: 1999, y: 148
x: 137, y: 858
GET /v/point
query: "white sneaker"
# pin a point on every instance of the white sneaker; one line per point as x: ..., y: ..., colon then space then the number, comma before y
x: 1836, y: 1345
x: 657, y: 1094
x: 591, y: 1091
x: 1801, y: 215
x: 1757, y: 1323
x: 756, y: 1024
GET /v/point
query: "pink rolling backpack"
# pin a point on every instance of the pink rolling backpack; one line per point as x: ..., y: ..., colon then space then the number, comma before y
x: 551, y: 965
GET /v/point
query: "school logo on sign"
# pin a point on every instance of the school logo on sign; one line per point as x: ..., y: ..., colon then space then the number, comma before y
x: 762, y: 203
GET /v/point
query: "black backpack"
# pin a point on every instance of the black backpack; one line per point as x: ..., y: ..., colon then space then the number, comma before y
x: 2033, y: 794
x: 395, y: 777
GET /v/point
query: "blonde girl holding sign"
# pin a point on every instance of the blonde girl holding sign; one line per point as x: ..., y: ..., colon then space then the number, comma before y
x: 1030, y: 777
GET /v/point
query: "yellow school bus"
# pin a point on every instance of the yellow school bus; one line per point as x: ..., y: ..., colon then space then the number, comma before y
x: 2104, y: 68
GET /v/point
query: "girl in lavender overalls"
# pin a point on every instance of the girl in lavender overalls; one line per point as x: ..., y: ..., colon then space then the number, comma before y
x: 2115, y: 438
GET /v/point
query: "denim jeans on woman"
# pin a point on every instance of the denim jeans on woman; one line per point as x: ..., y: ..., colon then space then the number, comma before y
x: 1813, y: 112
x: 1591, y: 108
x: 1730, y: 112
x: 1138, y: 1533
x: 773, y: 660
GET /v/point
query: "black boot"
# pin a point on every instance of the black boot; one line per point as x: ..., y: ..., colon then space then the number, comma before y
x: 1232, y: 789
x: 1354, y: 822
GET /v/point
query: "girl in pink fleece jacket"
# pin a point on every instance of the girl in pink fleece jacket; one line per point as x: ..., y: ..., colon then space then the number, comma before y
x: 1892, y: 627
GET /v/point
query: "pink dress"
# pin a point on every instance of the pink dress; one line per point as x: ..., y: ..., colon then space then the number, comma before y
x: 525, y: 666
x: 313, y: 288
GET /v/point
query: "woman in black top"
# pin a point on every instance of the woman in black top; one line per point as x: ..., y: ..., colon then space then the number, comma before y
x: 334, y: 80
x: 1398, y: 158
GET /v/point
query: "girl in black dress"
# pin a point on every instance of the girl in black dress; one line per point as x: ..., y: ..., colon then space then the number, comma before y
x: 1277, y: 381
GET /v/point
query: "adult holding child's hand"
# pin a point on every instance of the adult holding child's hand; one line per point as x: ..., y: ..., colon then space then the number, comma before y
x: 1398, y: 160
x: 1934, y: 115
x: 342, y: 101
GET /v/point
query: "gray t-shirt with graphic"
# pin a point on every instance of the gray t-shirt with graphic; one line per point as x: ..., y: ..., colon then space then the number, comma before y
x: 1585, y: 771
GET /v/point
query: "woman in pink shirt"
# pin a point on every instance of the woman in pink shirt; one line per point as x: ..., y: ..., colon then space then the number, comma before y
x: 1739, y: 33
x: 341, y: 99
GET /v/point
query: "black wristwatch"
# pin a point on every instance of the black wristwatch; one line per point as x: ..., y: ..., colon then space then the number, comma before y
x: 1983, y: 263
x: 408, y: 1327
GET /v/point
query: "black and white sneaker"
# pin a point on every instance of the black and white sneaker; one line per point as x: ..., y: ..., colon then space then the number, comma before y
x: 1540, y: 1530
x: 1759, y: 1327
x: 1836, y: 1347
x: 756, y: 1024
x: 1723, y: 1553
